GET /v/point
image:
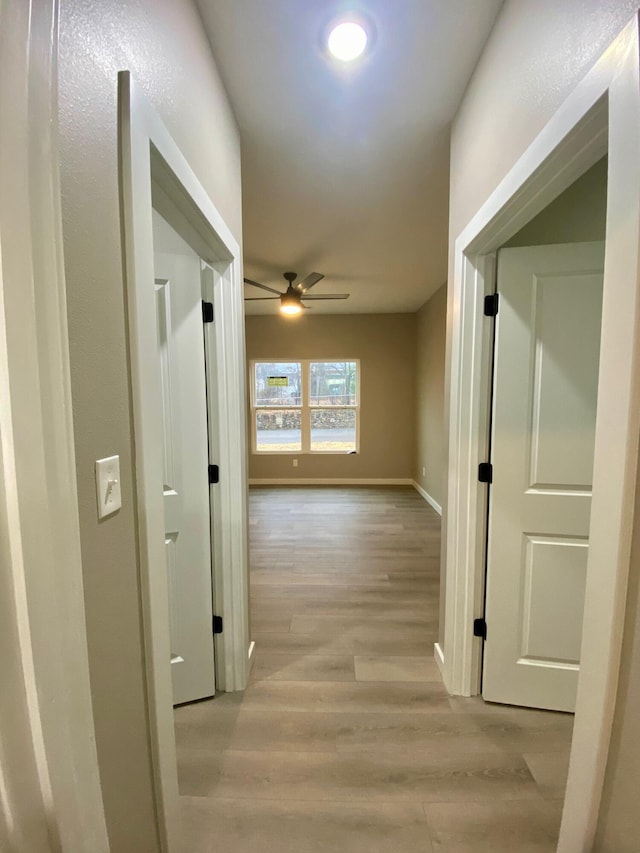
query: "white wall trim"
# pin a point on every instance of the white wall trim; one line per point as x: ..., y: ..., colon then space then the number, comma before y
x: 50, y: 785
x: 331, y: 481
x: 605, y: 105
x: 438, y: 655
x: 149, y: 156
x: 225, y: 348
x: 431, y: 501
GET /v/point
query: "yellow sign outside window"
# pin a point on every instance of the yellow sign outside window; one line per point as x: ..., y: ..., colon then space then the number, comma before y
x: 278, y: 381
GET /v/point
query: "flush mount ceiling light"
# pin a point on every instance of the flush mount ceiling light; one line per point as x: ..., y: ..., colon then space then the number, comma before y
x: 347, y: 41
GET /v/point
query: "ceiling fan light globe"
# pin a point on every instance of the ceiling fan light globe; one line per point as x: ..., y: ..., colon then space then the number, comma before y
x: 290, y: 305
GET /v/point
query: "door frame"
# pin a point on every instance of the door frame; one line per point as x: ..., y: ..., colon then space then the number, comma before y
x: 50, y: 789
x: 601, y: 115
x: 154, y: 173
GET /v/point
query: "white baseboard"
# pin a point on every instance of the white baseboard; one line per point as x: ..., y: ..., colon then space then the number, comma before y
x: 330, y: 481
x: 431, y: 501
x: 438, y: 654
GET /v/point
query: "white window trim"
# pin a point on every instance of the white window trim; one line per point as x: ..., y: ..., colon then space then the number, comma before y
x: 305, y: 407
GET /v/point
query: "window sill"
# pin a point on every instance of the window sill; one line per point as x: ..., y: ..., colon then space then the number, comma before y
x: 305, y: 452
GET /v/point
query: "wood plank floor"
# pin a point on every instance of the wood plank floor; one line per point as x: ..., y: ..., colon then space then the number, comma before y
x: 345, y: 740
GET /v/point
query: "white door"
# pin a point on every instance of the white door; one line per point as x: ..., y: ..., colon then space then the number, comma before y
x: 544, y: 406
x: 186, y: 481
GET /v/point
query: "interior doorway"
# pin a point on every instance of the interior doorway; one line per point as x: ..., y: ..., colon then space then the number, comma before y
x: 189, y: 520
x: 545, y: 379
x: 600, y: 116
x: 547, y: 315
x: 155, y: 175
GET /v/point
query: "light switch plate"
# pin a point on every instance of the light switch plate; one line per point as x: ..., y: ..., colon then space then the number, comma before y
x: 108, y: 485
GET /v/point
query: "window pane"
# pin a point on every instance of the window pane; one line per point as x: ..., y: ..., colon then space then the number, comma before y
x: 333, y: 383
x: 333, y: 430
x: 278, y: 383
x: 278, y: 430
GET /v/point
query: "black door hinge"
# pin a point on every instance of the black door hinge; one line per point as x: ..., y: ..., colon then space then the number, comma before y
x: 485, y: 472
x: 480, y: 628
x: 214, y: 474
x: 217, y: 624
x: 491, y: 305
x: 207, y: 312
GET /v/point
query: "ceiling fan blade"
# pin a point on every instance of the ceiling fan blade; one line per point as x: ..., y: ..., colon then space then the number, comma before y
x: 259, y: 298
x: 327, y: 296
x: 263, y: 286
x: 308, y: 282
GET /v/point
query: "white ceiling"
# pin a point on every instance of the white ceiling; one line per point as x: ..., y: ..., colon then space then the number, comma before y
x: 345, y: 168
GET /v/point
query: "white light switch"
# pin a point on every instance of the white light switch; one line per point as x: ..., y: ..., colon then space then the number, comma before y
x: 108, y: 485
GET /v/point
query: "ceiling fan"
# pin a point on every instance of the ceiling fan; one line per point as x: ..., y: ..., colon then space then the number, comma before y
x: 291, y: 299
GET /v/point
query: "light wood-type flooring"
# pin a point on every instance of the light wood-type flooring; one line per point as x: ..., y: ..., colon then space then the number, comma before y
x: 345, y: 740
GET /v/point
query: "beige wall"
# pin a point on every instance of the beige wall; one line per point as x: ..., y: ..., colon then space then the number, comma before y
x: 430, y: 417
x: 577, y: 216
x: 536, y: 54
x: 163, y: 44
x: 430, y: 350
x: 385, y: 345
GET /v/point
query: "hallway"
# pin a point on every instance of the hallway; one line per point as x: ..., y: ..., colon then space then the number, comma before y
x: 346, y: 740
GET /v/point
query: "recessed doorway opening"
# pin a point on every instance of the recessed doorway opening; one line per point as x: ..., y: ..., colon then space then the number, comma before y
x: 155, y: 176
x: 600, y: 116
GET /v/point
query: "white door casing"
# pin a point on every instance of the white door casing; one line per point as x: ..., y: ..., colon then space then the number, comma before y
x: 547, y: 350
x: 602, y: 114
x: 185, y: 480
x: 50, y: 788
x: 150, y: 158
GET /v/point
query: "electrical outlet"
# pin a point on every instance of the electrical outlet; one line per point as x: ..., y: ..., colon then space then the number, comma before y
x: 295, y: 463
x: 424, y: 471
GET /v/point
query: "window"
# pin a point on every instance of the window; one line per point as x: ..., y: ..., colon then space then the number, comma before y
x: 305, y: 406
